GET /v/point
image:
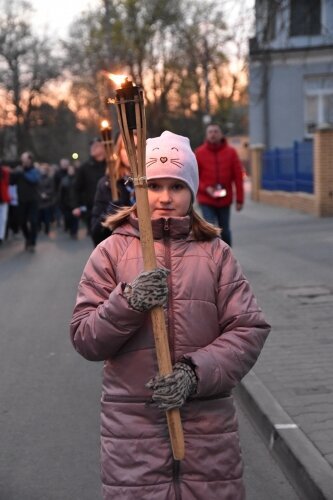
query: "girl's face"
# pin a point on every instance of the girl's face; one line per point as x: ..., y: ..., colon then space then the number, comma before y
x: 168, y: 198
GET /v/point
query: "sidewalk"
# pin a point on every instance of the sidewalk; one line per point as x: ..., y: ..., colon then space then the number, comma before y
x: 288, y: 258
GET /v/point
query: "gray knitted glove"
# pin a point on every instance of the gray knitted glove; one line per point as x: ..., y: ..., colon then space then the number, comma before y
x: 148, y: 290
x: 171, y: 391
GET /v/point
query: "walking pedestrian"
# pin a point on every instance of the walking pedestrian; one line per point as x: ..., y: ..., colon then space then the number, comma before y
x: 67, y: 201
x: 88, y: 175
x: 59, y: 173
x: 46, y: 190
x: 26, y: 176
x: 216, y: 331
x: 221, y: 180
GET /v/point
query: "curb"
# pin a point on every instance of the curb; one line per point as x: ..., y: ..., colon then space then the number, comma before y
x: 307, y: 470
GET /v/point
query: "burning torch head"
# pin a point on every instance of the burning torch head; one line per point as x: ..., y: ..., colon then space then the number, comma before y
x: 171, y: 156
x: 106, y: 131
x: 128, y: 92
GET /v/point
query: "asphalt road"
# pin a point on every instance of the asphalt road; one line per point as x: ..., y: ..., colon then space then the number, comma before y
x: 49, y: 395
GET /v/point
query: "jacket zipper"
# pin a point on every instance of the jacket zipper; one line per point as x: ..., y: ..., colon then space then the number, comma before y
x: 166, y: 229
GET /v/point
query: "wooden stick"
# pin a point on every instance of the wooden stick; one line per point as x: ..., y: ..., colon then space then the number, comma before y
x: 137, y: 161
x: 112, y: 180
x: 110, y: 162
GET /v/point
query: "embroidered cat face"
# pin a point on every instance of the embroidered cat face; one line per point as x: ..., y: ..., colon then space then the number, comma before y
x: 164, y: 159
x: 171, y: 156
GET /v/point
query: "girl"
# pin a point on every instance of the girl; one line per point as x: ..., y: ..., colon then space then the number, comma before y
x: 216, y: 332
x: 103, y: 203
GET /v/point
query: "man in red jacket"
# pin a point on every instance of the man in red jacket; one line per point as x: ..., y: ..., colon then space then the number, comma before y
x: 221, y: 179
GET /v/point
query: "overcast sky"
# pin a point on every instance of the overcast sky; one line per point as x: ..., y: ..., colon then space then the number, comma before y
x: 59, y: 14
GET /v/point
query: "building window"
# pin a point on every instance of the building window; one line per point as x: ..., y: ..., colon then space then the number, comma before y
x: 318, y: 91
x: 305, y: 17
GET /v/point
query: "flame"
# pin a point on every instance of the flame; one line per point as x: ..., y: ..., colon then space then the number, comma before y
x: 117, y: 79
x: 105, y: 124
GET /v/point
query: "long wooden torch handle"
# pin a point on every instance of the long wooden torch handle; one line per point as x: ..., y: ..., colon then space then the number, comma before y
x: 158, y: 320
x: 137, y: 162
x: 165, y: 368
x: 111, y: 168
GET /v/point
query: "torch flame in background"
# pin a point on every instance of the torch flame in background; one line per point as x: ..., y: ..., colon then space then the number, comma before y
x: 117, y: 79
x: 104, y: 124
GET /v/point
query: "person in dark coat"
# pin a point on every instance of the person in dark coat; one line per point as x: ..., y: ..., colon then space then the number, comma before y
x: 27, y: 177
x: 60, y: 173
x: 46, y: 198
x: 88, y: 175
x: 103, y: 203
x: 67, y: 201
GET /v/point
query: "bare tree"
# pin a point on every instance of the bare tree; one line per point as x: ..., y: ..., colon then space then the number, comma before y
x: 27, y: 65
x: 176, y: 48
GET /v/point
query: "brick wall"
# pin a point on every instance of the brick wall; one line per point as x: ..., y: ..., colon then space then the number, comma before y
x: 323, y: 172
x: 302, y: 202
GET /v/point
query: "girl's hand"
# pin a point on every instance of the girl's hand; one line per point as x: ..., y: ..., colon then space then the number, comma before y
x: 148, y: 290
x: 171, y: 391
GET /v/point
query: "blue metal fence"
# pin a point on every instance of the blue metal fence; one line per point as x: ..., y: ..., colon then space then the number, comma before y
x: 289, y: 169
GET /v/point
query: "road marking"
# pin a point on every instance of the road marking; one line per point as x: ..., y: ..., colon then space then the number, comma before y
x: 285, y: 426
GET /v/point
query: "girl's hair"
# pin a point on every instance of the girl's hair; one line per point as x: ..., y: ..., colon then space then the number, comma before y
x: 121, y: 168
x: 202, y: 230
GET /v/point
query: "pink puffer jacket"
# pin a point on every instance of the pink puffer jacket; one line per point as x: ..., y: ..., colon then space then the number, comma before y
x: 213, y: 320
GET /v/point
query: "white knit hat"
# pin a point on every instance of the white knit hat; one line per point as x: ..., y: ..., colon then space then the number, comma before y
x: 170, y: 155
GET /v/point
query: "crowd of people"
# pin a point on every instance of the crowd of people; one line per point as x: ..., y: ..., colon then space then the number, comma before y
x: 36, y: 196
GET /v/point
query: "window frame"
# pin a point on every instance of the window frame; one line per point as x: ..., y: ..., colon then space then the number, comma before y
x: 295, y: 26
x: 320, y: 111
